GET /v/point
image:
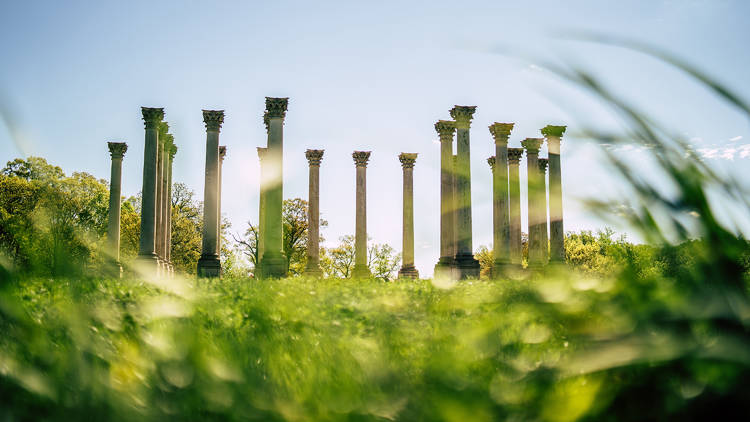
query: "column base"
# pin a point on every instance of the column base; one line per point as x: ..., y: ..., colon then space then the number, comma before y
x: 445, y: 268
x: 147, y: 265
x: 313, y: 270
x: 361, y: 271
x: 466, y: 266
x: 209, y: 266
x: 501, y: 269
x: 113, y: 269
x: 408, y: 272
x: 273, y: 265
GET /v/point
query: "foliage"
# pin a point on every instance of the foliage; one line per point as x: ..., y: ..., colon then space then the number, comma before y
x: 338, y: 261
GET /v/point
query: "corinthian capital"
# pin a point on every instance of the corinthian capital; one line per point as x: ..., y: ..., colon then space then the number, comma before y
x: 446, y: 129
x: 262, y: 151
x: 152, y: 116
x: 463, y: 115
x: 491, y: 162
x: 266, y: 121
x: 556, y: 131
x: 361, y: 158
x: 117, y: 149
x: 314, y: 157
x: 532, y: 145
x: 514, y: 155
x: 172, y: 151
x: 407, y: 159
x: 213, y: 119
x: 222, y: 152
x: 501, y: 132
x: 276, y: 107
x: 543, y: 164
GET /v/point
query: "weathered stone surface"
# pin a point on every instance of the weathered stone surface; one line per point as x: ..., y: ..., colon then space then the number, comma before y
x: 312, y: 268
x: 500, y: 201
x: 117, y: 152
x: 516, y: 248
x: 543, y: 210
x: 361, y: 270
x: 557, y: 234
x: 532, y: 146
x: 209, y: 264
x: 407, y: 268
x: 147, y: 260
x: 444, y: 267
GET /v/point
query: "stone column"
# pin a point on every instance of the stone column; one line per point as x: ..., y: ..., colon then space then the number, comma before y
x: 532, y: 146
x: 557, y: 234
x: 444, y: 266
x: 516, y: 248
x: 117, y: 151
x: 274, y: 263
x: 543, y: 207
x: 501, y: 229
x: 361, y: 269
x: 159, y: 217
x: 147, y: 259
x: 454, y: 227
x: 407, y: 255
x: 166, y: 146
x: 467, y: 266
x: 312, y: 268
x: 261, y: 210
x: 172, y: 152
x: 222, y: 154
x: 209, y: 264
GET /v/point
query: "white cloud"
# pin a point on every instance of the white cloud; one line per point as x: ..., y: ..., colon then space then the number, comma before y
x: 736, y: 138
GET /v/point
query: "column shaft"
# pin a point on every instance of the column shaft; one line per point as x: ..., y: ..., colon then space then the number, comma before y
x: 261, y: 210
x: 544, y: 226
x: 312, y: 268
x: 274, y: 262
x: 557, y: 234
x: 117, y: 150
x: 407, y: 261
x: 147, y: 243
x: 535, y: 218
x: 209, y: 264
x: 361, y: 269
x: 516, y: 248
x: 444, y: 267
x: 501, y: 232
x: 160, y: 195
x: 222, y: 153
x: 168, y: 249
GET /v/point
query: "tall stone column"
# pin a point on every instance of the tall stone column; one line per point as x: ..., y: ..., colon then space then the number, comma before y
x: 467, y: 266
x: 455, y: 274
x: 532, y: 146
x: 274, y: 263
x: 444, y: 266
x: 407, y: 255
x: 159, y: 217
x: 501, y: 229
x: 117, y: 151
x: 261, y: 241
x: 147, y: 259
x: 543, y: 203
x: 172, y: 152
x: 312, y: 268
x: 209, y: 264
x: 222, y: 154
x: 516, y: 247
x: 361, y: 269
x: 557, y: 234
x: 167, y: 141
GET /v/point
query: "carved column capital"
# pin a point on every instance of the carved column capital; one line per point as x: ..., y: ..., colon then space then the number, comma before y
x: 314, y: 157
x: 532, y: 145
x: 276, y: 107
x: 213, y: 119
x: 172, y: 151
x: 463, y: 115
x: 543, y: 162
x: 407, y: 159
x: 152, y: 116
x: 491, y: 162
x: 361, y: 158
x: 262, y: 151
x: 556, y: 131
x: 446, y: 129
x: 514, y: 155
x: 222, y: 152
x: 500, y: 132
x: 266, y: 121
x: 117, y: 149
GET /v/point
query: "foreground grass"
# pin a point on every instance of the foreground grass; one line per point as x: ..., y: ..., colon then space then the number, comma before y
x: 303, y: 349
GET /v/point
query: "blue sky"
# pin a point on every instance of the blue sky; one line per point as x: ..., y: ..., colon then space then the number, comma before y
x: 372, y: 76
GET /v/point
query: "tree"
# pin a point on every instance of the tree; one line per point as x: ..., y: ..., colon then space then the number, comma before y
x: 382, y: 259
x: 486, y: 259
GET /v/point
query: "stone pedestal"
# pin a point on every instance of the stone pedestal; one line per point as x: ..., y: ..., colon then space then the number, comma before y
x: 532, y: 146
x: 516, y: 247
x: 209, y: 264
x: 312, y: 268
x: 407, y: 255
x: 466, y: 265
x: 544, y: 226
x: 274, y: 263
x: 361, y: 269
x: 147, y: 261
x: 444, y: 266
x: 117, y: 151
x: 501, y: 228
x: 557, y: 234
x: 261, y: 212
